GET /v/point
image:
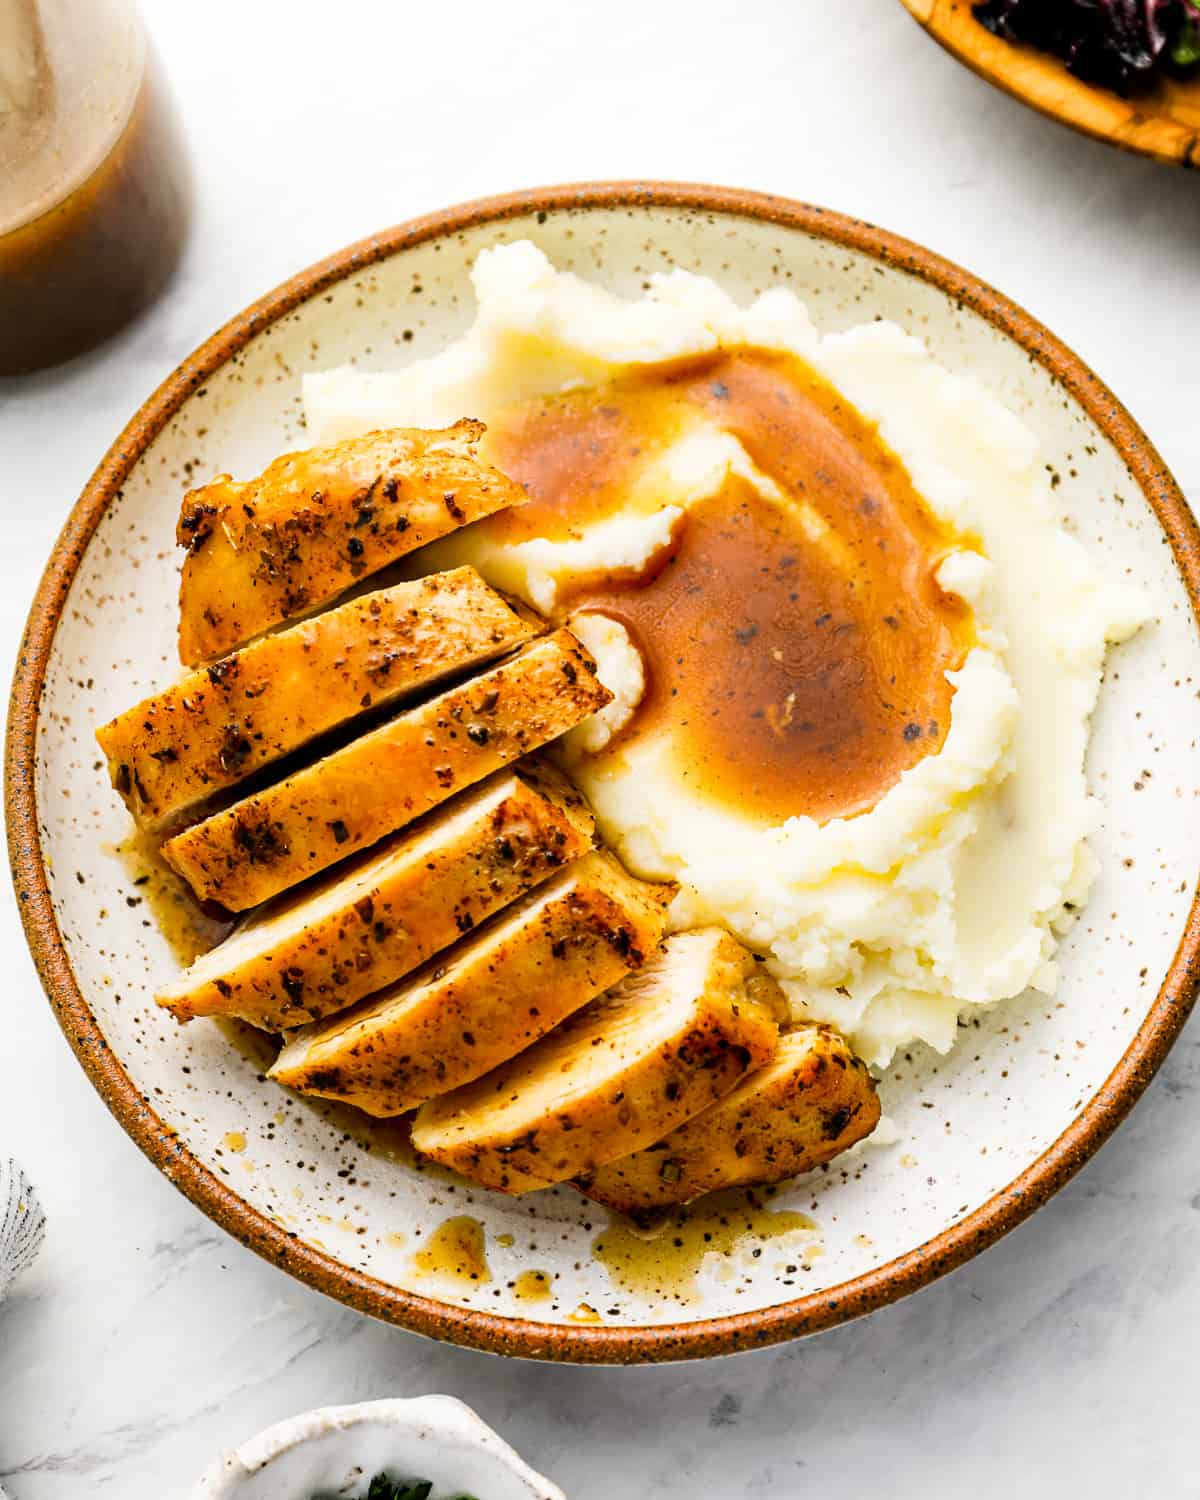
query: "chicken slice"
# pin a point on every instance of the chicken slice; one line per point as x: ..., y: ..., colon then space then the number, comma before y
x: 314, y: 523
x: 222, y: 723
x: 365, y: 924
x: 618, y: 1075
x: 380, y: 782
x: 486, y: 999
x: 812, y: 1101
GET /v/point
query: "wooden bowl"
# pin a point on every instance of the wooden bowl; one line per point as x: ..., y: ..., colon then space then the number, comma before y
x: 987, y: 1133
x: 1164, y: 123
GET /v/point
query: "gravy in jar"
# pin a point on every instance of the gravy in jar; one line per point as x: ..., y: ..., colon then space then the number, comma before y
x: 94, y: 187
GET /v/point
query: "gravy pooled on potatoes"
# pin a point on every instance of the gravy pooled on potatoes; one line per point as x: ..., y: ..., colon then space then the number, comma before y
x: 796, y: 648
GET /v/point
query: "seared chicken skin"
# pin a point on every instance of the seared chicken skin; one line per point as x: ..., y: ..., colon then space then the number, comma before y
x: 365, y: 924
x: 224, y: 722
x: 486, y: 999
x: 811, y: 1102
x: 384, y: 780
x: 621, y: 1073
x: 315, y: 522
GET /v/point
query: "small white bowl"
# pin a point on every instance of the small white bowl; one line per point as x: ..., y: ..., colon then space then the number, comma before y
x: 336, y: 1450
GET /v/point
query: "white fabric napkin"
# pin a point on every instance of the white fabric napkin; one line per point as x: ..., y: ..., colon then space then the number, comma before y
x: 22, y: 1224
x: 22, y: 1228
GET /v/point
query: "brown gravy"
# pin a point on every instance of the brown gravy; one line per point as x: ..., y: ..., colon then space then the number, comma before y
x: 85, y: 266
x: 797, y: 652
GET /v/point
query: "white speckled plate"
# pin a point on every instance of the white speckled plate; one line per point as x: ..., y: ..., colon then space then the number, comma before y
x: 985, y: 1134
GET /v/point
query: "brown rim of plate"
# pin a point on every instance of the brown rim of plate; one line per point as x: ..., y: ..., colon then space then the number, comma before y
x: 1147, y: 125
x: 503, y: 1335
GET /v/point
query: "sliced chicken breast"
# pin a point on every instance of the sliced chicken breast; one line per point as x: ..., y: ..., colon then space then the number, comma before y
x: 812, y: 1101
x: 314, y: 523
x: 486, y: 999
x: 363, y: 925
x: 346, y: 801
x: 222, y: 723
x: 618, y: 1075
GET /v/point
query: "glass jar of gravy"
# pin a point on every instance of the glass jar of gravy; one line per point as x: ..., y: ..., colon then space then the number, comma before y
x: 94, y: 186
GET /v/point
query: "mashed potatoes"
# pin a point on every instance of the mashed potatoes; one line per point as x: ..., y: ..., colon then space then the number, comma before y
x: 951, y: 889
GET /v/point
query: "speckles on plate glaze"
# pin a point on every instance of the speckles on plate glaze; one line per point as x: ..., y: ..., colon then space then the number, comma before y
x: 972, y: 1121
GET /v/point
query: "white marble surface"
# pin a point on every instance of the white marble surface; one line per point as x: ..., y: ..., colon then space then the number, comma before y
x: 145, y: 1340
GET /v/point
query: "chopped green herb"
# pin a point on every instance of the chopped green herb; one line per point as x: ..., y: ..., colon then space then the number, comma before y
x: 1185, y: 51
x: 384, y: 1488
